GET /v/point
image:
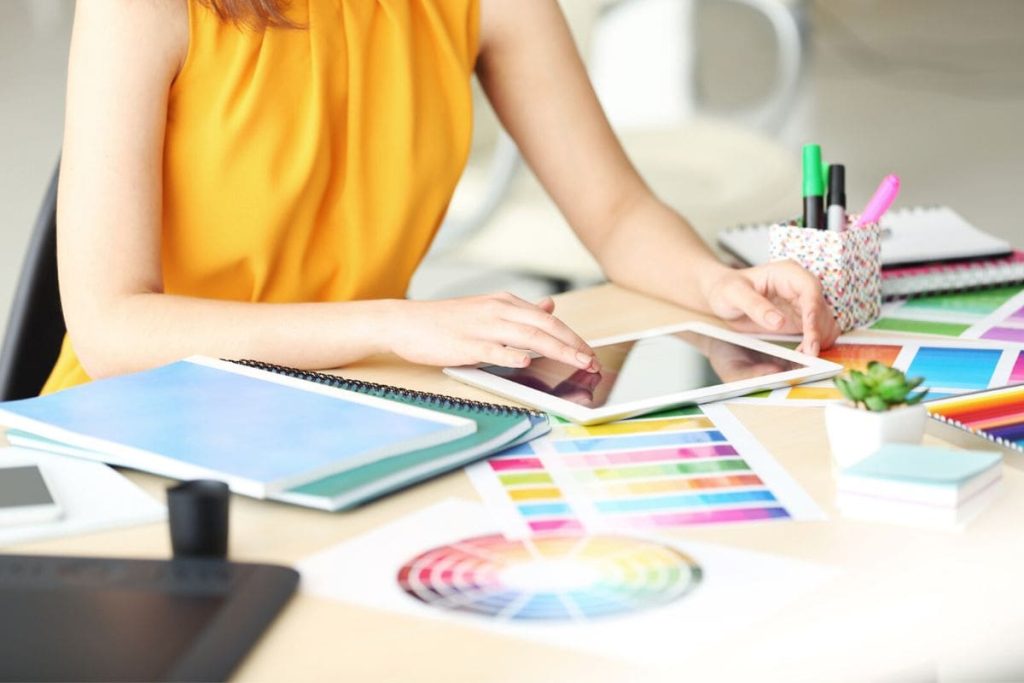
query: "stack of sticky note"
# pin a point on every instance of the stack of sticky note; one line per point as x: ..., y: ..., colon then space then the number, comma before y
x: 920, y: 485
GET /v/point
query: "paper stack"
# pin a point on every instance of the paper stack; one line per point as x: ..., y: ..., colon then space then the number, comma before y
x: 920, y: 485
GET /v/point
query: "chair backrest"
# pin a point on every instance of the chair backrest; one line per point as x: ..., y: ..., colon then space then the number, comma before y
x: 35, y: 329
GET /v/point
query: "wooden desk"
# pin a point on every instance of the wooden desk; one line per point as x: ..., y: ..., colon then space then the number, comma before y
x: 906, y: 602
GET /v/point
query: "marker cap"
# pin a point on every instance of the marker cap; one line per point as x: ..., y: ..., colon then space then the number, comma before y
x: 814, y: 186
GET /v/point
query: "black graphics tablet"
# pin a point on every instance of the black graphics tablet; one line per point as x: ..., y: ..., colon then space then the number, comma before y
x: 97, y: 619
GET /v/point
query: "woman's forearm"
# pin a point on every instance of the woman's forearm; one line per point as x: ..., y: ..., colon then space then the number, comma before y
x: 147, y: 329
x: 652, y: 249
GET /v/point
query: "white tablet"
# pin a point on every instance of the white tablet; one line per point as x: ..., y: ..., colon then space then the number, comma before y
x: 648, y: 371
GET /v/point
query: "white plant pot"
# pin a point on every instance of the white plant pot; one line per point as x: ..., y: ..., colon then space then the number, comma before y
x: 854, y: 434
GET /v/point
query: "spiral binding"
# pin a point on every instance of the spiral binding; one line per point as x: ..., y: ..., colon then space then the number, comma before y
x: 388, y: 391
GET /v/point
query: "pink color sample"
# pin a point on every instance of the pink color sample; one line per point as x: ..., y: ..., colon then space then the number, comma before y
x: 549, y: 525
x: 1010, y: 334
x: 504, y: 464
x: 1017, y: 374
x: 707, y: 517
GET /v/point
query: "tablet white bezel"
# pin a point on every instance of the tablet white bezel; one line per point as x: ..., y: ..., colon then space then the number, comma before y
x: 816, y: 369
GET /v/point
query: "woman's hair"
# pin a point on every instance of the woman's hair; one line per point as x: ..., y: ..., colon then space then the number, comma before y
x: 255, y: 13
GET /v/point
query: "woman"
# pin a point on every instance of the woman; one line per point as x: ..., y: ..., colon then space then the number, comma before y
x: 250, y: 178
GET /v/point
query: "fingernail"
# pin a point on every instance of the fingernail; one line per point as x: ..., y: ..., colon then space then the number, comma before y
x: 585, y: 360
x: 773, y: 318
x: 813, y: 348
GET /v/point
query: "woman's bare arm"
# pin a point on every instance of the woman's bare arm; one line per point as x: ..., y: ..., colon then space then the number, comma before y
x: 536, y: 81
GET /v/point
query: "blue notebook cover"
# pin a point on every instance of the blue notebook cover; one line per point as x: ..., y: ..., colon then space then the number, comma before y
x: 258, y: 431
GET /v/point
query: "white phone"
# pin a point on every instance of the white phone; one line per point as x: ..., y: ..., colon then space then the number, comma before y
x: 25, y: 497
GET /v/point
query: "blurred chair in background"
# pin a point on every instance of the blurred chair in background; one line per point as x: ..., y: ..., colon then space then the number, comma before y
x: 503, y: 232
x: 35, y: 328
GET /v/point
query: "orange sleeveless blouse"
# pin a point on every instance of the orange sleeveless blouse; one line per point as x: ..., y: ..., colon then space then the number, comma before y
x: 312, y: 164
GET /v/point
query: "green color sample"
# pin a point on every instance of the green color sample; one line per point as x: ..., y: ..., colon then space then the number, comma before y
x: 920, y: 327
x: 764, y: 393
x: 670, y: 469
x: 525, y: 478
x: 977, y: 302
x: 682, y: 411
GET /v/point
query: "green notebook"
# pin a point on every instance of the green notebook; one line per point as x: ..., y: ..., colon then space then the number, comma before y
x: 498, y: 427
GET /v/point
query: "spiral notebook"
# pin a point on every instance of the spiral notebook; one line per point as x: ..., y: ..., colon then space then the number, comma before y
x: 924, y: 250
x: 995, y: 416
x: 483, y: 429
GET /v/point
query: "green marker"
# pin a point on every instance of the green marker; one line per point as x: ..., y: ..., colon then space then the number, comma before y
x: 814, y: 189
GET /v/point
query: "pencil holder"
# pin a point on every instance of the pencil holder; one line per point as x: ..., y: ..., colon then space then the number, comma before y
x: 848, y: 264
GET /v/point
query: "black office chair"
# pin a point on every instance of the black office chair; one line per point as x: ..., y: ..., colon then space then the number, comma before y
x: 35, y: 328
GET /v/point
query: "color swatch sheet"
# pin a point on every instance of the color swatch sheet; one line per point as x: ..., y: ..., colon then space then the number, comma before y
x: 949, y: 367
x: 696, y: 465
x: 947, y: 315
x: 644, y: 602
x: 998, y: 415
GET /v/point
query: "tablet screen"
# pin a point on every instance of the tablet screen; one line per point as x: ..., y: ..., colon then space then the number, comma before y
x: 647, y: 368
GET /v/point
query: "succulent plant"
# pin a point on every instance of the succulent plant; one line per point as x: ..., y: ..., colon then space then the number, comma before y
x: 880, y: 388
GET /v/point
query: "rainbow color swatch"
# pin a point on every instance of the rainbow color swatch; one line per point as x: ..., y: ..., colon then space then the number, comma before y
x: 950, y: 367
x: 997, y: 415
x: 551, y: 578
x: 695, y: 466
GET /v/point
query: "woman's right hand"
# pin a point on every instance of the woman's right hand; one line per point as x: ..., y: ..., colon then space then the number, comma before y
x: 500, y: 329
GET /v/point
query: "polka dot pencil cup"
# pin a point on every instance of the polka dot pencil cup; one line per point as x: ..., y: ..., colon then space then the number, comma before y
x: 848, y: 263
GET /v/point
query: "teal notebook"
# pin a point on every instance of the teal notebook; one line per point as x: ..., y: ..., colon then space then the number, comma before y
x: 498, y: 427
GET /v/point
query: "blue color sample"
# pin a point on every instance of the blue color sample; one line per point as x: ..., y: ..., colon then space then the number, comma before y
x: 611, y: 443
x: 521, y: 449
x: 690, y: 500
x: 543, y: 509
x: 954, y: 368
x: 227, y: 422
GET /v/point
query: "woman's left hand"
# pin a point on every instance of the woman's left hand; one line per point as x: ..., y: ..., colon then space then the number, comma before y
x: 779, y: 297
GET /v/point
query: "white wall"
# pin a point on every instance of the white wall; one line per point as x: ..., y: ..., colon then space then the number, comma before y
x: 34, y: 37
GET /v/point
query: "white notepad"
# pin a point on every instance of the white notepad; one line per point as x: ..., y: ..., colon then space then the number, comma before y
x: 909, y: 236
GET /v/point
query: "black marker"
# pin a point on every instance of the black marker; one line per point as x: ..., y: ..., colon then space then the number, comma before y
x: 837, y: 197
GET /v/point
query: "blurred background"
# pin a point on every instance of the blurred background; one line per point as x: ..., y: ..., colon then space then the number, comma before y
x: 712, y: 98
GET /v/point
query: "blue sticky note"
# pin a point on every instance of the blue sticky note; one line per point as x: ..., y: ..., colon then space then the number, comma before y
x: 924, y: 464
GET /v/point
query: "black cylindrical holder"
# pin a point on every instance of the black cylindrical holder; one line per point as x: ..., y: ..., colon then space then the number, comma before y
x: 198, y: 513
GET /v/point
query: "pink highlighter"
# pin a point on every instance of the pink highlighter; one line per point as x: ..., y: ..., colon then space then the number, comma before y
x: 883, y: 198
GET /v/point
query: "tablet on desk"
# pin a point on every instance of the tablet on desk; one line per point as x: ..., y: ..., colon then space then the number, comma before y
x: 647, y: 371
x: 107, y: 619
